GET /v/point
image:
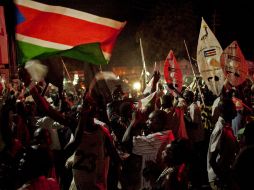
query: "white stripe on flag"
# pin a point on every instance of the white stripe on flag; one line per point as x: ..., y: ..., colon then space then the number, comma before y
x: 71, y: 13
x: 43, y: 43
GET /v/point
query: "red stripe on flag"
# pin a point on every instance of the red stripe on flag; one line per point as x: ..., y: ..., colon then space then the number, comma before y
x: 65, y: 29
x: 210, y: 52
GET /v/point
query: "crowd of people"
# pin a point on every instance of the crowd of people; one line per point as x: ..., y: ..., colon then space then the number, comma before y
x: 176, y: 141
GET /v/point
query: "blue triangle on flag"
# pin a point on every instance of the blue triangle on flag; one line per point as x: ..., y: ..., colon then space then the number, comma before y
x: 20, y: 17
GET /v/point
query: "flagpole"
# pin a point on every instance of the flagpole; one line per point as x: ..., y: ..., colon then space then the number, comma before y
x: 155, y: 66
x: 143, y: 61
x: 199, y: 90
x: 65, y: 68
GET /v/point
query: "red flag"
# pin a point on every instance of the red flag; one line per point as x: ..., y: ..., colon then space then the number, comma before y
x: 172, y: 72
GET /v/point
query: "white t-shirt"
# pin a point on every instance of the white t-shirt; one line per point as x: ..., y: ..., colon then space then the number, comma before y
x: 91, y: 161
x: 50, y: 124
x: 213, y: 145
x: 148, y: 146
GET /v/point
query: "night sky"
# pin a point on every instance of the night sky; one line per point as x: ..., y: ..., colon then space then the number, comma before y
x: 229, y: 20
x: 233, y: 22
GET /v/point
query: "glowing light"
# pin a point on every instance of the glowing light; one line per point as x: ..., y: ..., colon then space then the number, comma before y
x: 64, y: 81
x: 75, y: 80
x: 136, y: 86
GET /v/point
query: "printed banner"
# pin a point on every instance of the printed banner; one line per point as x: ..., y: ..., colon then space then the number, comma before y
x: 208, y: 59
x: 234, y: 65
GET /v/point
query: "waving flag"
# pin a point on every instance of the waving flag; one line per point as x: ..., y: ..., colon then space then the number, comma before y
x: 234, y: 65
x: 172, y: 72
x: 208, y: 59
x: 44, y: 30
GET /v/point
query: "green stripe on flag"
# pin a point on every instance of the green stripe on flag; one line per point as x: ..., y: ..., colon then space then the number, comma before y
x: 88, y: 53
x: 30, y: 51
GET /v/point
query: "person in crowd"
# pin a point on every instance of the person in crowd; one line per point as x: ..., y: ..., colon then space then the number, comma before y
x: 131, y: 163
x: 243, y: 166
x: 36, y: 166
x: 118, y: 125
x: 31, y: 114
x: 175, y: 175
x: 223, y: 146
x: 56, y: 146
x: 173, y: 118
x: 193, y: 120
x: 10, y: 150
x: 196, y: 133
x: 93, y: 149
x: 113, y: 106
x: 151, y: 143
x: 20, y: 128
x: 238, y: 121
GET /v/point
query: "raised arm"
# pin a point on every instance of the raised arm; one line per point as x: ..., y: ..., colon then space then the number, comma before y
x: 85, y: 119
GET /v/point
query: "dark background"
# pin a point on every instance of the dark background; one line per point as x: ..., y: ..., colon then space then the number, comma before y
x: 165, y: 24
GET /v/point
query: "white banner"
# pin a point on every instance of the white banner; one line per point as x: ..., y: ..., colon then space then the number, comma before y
x: 208, y: 58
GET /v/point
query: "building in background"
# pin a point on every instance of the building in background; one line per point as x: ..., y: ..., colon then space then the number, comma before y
x: 4, y: 61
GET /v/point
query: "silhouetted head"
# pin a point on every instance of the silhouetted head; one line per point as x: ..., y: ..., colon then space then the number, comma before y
x: 118, y: 93
x: 188, y: 95
x: 167, y: 101
x: 42, y: 136
x: 177, y: 152
x: 126, y: 109
x: 157, y: 121
x: 227, y: 109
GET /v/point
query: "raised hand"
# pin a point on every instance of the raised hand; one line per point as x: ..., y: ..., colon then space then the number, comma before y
x: 24, y: 76
x: 156, y: 76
